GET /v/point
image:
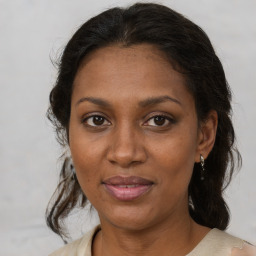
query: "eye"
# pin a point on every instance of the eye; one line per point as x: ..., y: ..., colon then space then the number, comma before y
x: 159, y: 120
x: 95, y: 121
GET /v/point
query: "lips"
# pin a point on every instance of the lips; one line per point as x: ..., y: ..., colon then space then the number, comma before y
x: 127, y: 188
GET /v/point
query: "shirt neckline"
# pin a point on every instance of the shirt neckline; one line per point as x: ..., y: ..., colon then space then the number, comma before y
x: 195, y: 251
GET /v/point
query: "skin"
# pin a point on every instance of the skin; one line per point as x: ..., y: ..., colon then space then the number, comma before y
x: 129, y: 141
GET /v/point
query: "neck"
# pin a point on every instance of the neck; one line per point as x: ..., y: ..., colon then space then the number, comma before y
x: 176, y: 237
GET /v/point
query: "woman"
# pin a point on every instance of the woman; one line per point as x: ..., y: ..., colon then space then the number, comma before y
x: 142, y: 102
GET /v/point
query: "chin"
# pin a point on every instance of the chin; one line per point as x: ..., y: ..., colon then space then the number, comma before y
x: 130, y: 218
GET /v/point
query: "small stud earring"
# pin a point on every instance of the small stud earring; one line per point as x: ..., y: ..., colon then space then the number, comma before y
x: 71, y: 168
x: 73, y: 171
x: 202, y: 167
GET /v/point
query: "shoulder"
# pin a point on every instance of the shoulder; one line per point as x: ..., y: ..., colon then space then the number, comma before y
x: 220, y: 243
x: 246, y: 250
x: 80, y: 247
x: 70, y: 249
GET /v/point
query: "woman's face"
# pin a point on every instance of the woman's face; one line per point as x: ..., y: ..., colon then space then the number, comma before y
x: 133, y: 135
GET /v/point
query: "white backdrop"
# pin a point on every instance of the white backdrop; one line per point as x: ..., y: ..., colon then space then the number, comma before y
x: 33, y: 30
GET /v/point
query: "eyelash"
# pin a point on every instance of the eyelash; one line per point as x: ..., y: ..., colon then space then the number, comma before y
x: 84, y: 120
x: 168, y: 118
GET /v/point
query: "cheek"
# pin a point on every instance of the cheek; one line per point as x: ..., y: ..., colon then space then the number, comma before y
x: 86, y: 161
x: 174, y: 157
x: 87, y: 158
x: 88, y: 175
x: 86, y: 149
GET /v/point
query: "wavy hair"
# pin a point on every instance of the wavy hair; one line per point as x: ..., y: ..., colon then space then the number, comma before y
x: 190, y: 52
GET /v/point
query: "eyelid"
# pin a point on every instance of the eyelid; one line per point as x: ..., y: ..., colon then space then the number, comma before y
x: 93, y: 114
x: 163, y: 114
x: 166, y: 116
x: 151, y: 116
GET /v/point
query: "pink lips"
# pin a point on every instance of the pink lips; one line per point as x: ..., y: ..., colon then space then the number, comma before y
x: 127, y: 188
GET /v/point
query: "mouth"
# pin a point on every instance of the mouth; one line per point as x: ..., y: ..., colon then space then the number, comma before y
x: 127, y: 188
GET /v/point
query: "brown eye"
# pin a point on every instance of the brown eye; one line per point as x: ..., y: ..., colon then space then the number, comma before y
x: 96, y: 121
x: 159, y: 121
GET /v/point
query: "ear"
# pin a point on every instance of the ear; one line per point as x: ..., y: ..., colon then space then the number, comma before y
x: 206, y: 135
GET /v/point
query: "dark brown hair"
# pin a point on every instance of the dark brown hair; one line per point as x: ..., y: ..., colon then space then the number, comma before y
x: 190, y: 52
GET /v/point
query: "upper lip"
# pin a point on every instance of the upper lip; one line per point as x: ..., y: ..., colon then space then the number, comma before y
x: 127, y: 180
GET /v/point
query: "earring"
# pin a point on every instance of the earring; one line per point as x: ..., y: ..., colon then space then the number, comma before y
x: 73, y: 171
x: 202, y: 167
x: 71, y: 168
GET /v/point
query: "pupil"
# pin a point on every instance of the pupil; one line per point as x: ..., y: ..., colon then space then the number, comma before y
x: 98, y: 120
x: 159, y: 120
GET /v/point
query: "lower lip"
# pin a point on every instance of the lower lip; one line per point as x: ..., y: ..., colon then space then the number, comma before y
x: 127, y: 194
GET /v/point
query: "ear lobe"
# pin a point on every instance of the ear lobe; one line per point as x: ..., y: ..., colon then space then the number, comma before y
x: 207, y: 135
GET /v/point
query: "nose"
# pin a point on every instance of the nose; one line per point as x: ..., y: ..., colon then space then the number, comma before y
x: 126, y: 147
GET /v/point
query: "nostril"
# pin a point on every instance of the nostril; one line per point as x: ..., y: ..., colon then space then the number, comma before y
x: 126, y: 158
x: 126, y: 147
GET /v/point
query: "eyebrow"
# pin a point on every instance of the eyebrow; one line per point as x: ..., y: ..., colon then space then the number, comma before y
x: 144, y: 103
x: 156, y: 100
x: 96, y: 101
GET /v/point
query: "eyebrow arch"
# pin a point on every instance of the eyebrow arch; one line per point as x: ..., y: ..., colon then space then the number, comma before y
x: 156, y: 100
x: 144, y: 103
x: 96, y: 101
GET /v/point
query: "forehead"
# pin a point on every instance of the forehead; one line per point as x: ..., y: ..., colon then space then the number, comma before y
x: 127, y: 53
x: 137, y: 71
